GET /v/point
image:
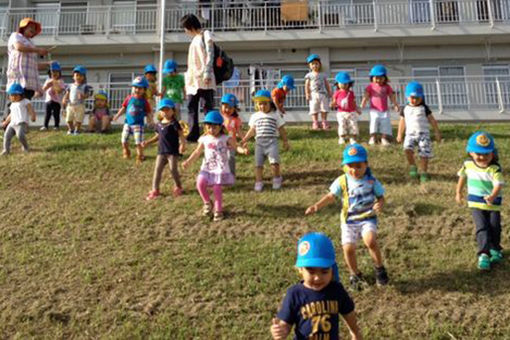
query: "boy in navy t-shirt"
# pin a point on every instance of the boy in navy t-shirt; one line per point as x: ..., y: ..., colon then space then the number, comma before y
x: 313, y: 305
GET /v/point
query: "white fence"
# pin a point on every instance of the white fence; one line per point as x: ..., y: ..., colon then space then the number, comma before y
x: 257, y: 15
x: 456, y: 94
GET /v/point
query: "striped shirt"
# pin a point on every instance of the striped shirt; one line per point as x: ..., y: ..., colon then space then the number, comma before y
x: 22, y: 67
x: 266, y: 124
x: 480, y: 183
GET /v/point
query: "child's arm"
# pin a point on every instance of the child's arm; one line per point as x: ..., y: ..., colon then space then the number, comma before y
x: 307, y: 89
x: 460, y: 186
x: 194, y: 155
x: 435, y: 126
x: 283, y: 134
x: 65, y: 99
x: 366, y: 98
x: 495, y: 192
x: 6, y: 121
x: 393, y: 98
x: 378, y: 205
x: 401, y: 129
x: 358, y: 109
x: 150, y: 141
x: 248, y: 136
x: 31, y: 111
x: 324, y: 201
x: 328, y: 87
x: 352, y: 323
x: 121, y: 111
x: 163, y: 91
x: 280, y: 329
x: 48, y: 84
x: 277, y: 103
x: 231, y: 144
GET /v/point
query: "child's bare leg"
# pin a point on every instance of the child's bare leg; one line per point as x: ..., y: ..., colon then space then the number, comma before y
x: 324, y: 116
x: 125, y: 150
x: 70, y: 126
x: 78, y: 126
x: 424, y: 163
x: 92, y: 123
x: 105, y: 123
x: 350, y: 258
x: 276, y: 169
x: 139, y: 151
x: 410, y: 157
x: 315, y: 118
x: 373, y: 248
x: 258, y: 173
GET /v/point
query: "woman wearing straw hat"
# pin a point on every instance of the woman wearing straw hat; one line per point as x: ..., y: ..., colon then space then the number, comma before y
x: 23, y: 66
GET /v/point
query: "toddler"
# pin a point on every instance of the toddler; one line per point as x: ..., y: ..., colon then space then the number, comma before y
x: 484, y: 183
x: 16, y: 122
x: 415, y: 119
x: 313, y: 305
x: 152, y: 90
x: 362, y: 198
x: 136, y: 107
x: 74, y: 99
x: 173, y: 85
x: 345, y: 102
x: 266, y: 125
x: 100, y: 113
x: 317, y: 91
x: 215, y: 171
x: 233, y: 125
x: 378, y: 93
x: 280, y: 92
x: 171, y: 144
x: 54, y: 88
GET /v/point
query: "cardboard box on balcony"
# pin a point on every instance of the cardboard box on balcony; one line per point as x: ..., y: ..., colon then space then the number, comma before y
x: 294, y: 10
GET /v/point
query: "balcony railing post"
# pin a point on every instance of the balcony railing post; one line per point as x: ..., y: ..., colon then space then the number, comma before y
x: 500, y: 96
x: 432, y: 15
x: 439, y: 97
x: 108, y: 23
x: 55, y: 31
x: 491, y: 14
x: 374, y: 3
x: 6, y: 24
x: 212, y: 16
x: 265, y: 17
x: 319, y: 16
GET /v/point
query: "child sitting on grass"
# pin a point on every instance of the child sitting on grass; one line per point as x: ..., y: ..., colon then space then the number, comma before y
x: 362, y: 198
x: 171, y: 143
x: 313, y: 305
x: 484, y: 183
x: 100, y: 114
x: 280, y: 92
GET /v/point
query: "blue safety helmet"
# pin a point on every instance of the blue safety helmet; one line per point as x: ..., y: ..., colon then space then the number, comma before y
x: 414, y: 89
x: 80, y: 69
x: 15, y: 88
x: 480, y: 142
x: 315, y: 250
x: 262, y: 95
x: 229, y: 99
x: 378, y: 71
x: 213, y: 117
x: 140, y: 82
x: 169, y: 66
x: 55, y: 66
x: 287, y: 80
x: 312, y: 57
x: 354, y: 153
x: 343, y: 78
x: 166, y: 102
x: 150, y: 69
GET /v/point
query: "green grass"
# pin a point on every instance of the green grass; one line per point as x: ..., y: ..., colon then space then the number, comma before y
x: 82, y: 255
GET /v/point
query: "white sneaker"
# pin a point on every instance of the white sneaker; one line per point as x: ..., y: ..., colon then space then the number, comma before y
x: 385, y: 142
x: 258, y: 186
x: 43, y: 128
x: 371, y: 141
x: 277, y: 183
x: 76, y: 132
x: 341, y: 141
x: 69, y: 132
x: 352, y: 141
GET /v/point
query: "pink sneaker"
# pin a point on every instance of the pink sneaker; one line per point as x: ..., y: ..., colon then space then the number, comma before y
x: 177, y: 192
x: 153, y: 194
x: 325, y: 125
x: 315, y: 126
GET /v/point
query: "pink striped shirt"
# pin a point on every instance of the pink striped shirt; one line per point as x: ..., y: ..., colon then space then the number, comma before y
x: 22, y: 67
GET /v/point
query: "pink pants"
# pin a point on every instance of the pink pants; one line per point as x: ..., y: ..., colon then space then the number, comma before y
x: 217, y: 192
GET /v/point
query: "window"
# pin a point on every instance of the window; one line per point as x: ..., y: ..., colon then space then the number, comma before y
x: 118, y: 88
x: 452, y: 85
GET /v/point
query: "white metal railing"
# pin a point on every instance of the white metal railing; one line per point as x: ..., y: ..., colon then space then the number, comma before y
x: 258, y: 15
x: 442, y: 95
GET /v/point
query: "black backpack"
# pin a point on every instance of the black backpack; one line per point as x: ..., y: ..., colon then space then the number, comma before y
x: 223, y: 65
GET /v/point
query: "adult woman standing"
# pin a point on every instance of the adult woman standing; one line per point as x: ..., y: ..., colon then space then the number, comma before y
x: 200, y: 81
x: 23, y: 67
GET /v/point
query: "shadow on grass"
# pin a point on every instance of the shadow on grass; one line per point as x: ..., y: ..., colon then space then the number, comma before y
x: 312, y: 177
x: 76, y: 146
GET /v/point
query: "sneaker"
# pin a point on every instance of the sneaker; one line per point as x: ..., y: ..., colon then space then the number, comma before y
x: 4, y: 153
x: 484, y: 262
x: 153, y: 194
x: 69, y: 132
x: 424, y: 177
x: 76, y: 132
x: 56, y: 128
x: 371, y: 141
x: 43, y: 128
x: 325, y: 125
x: 356, y: 282
x: 218, y: 216
x: 352, y: 141
x: 496, y: 256
x: 277, y: 183
x: 177, y: 192
x: 207, y: 209
x: 381, y: 276
x: 258, y: 186
x: 385, y: 142
x: 413, y: 171
x: 341, y: 141
x: 315, y: 126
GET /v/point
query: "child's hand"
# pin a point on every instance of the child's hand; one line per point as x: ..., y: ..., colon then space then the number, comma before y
x: 311, y: 209
x: 358, y: 110
x: 399, y: 139
x: 489, y: 199
x: 185, y: 165
x: 32, y: 118
x: 286, y: 145
x: 242, y: 150
x: 378, y: 206
x: 279, y: 329
x: 4, y: 124
x: 459, y: 198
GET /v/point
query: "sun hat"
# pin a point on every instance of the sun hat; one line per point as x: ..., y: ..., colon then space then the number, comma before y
x: 354, y: 153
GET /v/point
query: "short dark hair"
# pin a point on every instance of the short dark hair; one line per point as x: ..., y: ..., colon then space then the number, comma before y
x: 190, y: 22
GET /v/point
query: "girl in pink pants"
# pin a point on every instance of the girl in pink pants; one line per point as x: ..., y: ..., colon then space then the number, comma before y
x: 215, y: 170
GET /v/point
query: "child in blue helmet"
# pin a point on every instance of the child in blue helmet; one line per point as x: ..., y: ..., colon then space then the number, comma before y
x: 415, y: 120
x: 313, y: 305
x: 173, y: 85
x: 74, y: 100
x: 215, y: 170
x: 317, y: 92
x: 171, y: 144
x: 150, y: 73
x: 100, y: 113
x: 266, y: 125
x: 54, y: 88
x: 484, y: 179
x: 136, y: 107
x: 362, y: 198
x: 344, y: 101
x: 16, y: 123
x: 378, y: 93
x: 281, y: 91
x: 234, y: 126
